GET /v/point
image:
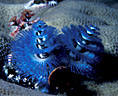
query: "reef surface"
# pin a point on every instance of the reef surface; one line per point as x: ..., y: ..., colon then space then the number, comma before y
x: 65, y: 13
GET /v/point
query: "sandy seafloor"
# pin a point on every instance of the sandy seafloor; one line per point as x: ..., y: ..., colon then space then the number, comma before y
x: 103, y: 13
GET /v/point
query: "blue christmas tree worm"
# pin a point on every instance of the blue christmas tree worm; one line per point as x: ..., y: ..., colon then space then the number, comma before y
x: 36, y: 53
x: 85, y: 48
x: 38, y: 50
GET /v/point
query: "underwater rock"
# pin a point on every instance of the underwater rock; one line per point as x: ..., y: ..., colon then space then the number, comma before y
x: 4, y: 47
x: 4, y: 51
x: 99, y: 13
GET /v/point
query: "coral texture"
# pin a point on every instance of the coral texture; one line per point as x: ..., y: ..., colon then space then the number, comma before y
x: 10, y: 89
x: 86, y: 13
x: 4, y: 47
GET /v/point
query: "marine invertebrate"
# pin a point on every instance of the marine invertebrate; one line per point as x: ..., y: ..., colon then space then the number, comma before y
x: 21, y: 23
x: 35, y: 55
x: 37, y: 52
x: 40, y: 46
x: 85, y: 48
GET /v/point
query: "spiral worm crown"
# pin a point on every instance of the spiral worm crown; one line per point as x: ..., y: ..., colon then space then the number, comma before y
x: 36, y: 52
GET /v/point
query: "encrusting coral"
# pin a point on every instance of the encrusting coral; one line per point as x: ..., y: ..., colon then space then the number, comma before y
x: 81, y: 13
